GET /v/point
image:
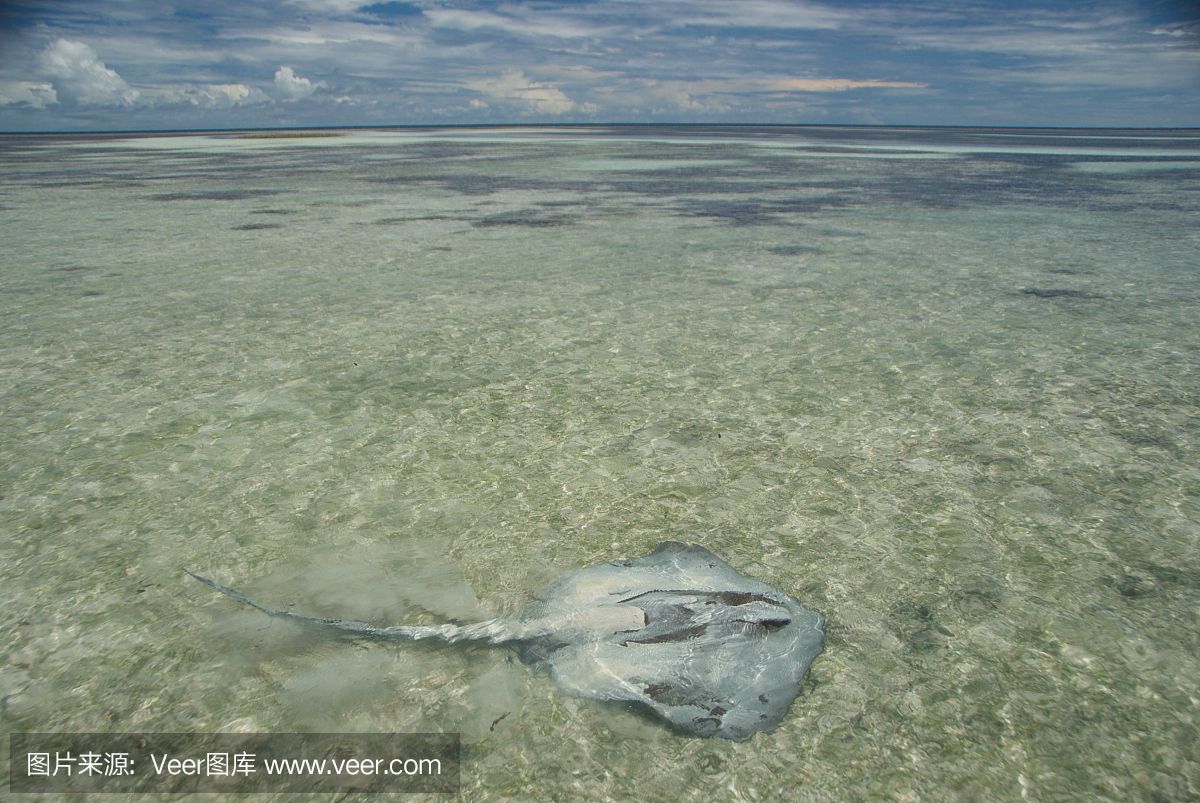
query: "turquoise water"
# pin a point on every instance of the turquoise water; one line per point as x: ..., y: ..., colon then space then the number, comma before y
x: 940, y: 385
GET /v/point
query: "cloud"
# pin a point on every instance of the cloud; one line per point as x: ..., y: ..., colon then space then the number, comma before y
x: 464, y: 60
x: 80, y: 76
x: 514, y: 89
x: 292, y: 86
x: 207, y: 96
x: 1009, y: 41
x: 1177, y: 30
x: 768, y: 14
x: 331, y: 6
x: 521, y: 24
x: 720, y: 95
x: 662, y: 97
x: 35, y: 94
x: 328, y: 32
x: 834, y: 85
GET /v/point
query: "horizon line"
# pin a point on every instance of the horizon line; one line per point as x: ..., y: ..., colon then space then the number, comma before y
x: 388, y: 126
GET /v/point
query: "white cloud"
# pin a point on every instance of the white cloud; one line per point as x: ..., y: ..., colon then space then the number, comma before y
x: 80, y: 76
x: 523, y: 23
x: 292, y: 86
x: 329, y: 32
x: 770, y: 14
x: 332, y: 6
x: 514, y: 59
x: 207, y: 96
x: 514, y: 89
x: 1150, y: 72
x: 661, y: 97
x: 36, y: 94
x: 1010, y: 40
x: 719, y: 95
x: 831, y: 85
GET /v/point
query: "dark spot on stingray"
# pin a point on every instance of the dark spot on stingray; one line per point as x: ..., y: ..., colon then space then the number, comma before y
x: 765, y: 624
x: 735, y: 598
x: 695, y: 664
x: 257, y: 226
x: 658, y: 691
x: 676, y: 635
x: 1057, y: 292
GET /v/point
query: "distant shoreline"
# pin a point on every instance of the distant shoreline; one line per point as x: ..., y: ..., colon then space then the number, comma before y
x: 328, y: 131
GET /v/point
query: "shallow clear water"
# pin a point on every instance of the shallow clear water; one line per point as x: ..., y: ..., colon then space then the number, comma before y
x: 946, y: 395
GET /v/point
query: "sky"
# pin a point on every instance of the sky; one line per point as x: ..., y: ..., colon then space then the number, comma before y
x: 78, y: 65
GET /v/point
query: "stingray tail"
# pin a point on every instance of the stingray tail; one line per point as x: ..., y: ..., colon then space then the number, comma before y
x: 490, y: 631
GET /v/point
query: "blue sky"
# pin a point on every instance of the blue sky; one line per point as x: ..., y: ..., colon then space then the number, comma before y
x: 129, y: 64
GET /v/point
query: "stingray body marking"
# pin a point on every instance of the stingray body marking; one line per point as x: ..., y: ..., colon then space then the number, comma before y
x: 677, y: 631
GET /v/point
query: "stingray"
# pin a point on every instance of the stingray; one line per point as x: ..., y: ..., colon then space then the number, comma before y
x: 676, y: 632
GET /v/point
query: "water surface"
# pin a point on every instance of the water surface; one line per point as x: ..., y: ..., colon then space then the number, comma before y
x: 940, y: 385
